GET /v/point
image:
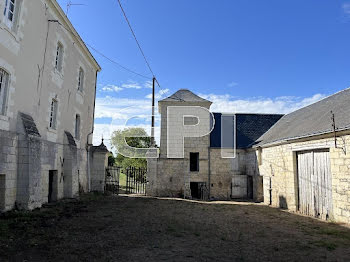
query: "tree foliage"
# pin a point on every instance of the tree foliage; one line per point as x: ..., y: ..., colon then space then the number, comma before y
x: 134, y: 137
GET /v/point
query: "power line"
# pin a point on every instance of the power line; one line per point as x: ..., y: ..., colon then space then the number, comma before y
x: 114, y: 62
x: 101, y: 54
x: 137, y: 42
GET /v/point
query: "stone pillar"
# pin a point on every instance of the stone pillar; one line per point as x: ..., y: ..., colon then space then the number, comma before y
x: 70, y: 170
x: 152, y: 179
x: 99, y: 164
x: 29, y: 194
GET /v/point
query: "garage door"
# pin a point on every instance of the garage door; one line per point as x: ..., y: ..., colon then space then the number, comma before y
x: 315, y: 185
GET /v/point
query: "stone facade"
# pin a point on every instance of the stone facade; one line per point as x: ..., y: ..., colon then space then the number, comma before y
x: 278, y: 167
x: 172, y: 176
x: 37, y: 158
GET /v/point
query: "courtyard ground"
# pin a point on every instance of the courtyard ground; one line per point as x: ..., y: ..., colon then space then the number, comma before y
x: 111, y: 228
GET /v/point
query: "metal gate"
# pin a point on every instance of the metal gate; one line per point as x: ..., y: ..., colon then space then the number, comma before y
x: 315, y: 185
x: 126, y: 180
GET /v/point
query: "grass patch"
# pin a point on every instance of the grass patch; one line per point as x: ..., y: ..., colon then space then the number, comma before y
x: 326, y: 244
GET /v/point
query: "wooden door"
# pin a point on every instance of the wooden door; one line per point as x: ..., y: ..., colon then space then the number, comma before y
x: 314, y: 183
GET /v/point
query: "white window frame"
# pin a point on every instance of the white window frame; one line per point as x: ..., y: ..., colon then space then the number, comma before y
x: 11, y: 11
x: 81, y: 79
x: 59, y: 57
x: 4, y: 87
x: 53, y: 114
x: 77, y: 126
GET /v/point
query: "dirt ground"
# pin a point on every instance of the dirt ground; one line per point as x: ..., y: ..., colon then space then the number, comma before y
x: 111, y: 228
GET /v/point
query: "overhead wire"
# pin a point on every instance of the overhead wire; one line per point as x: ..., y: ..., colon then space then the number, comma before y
x: 102, y: 54
x: 137, y: 42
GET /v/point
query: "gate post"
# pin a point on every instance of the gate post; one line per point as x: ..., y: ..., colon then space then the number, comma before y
x: 99, y: 165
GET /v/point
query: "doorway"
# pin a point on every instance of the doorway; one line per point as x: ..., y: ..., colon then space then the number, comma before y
x: 2, y: 191
x: 197, y: 190
x: 52, y: 192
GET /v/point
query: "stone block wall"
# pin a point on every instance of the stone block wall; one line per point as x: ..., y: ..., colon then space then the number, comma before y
x: 340, y: 168
x: 8, y: 169
x: 279, y: 169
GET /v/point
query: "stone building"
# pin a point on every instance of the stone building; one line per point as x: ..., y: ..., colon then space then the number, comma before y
x: 202, y: 172
x: 304, y: 160
x: 47, y: 94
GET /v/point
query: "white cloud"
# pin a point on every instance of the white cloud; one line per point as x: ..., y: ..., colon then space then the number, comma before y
x: 346, y: 8
x: 148, y: 84
x: 160, y: 94
x: 232, y: 84
x: 122, y: 109
x: 279, y: 105
x: 132, y: 85
x: 111, y: 88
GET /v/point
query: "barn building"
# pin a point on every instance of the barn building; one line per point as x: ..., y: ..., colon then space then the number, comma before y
x: 300, y: 161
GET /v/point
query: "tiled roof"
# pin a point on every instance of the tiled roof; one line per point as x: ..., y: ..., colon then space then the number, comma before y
x: 184, y: 95
x: 71, y: 140
x: 29, y: 125
x: 312, y: 120
x: 249, y: 127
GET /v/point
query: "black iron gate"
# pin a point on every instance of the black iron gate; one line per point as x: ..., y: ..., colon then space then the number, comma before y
x: 126, y: 180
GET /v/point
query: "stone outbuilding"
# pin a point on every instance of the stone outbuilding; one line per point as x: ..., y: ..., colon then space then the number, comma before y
x: 203, y: 173
x: 304, y: 160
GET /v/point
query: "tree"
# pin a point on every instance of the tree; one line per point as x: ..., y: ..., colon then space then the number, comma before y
x: 135, y: 137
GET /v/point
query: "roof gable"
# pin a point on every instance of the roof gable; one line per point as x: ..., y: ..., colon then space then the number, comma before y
x: 184, y: 95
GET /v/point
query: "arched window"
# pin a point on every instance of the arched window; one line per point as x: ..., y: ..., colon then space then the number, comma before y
x: 4, y: 85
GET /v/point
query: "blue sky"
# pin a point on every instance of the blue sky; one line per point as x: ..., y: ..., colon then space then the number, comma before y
x: 246, y: 56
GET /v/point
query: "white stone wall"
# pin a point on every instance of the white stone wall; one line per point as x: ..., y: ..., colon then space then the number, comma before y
x: 27, y: 53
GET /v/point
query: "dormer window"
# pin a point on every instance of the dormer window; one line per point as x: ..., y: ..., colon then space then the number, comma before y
x: 81, y: 80
x: 59, y: 57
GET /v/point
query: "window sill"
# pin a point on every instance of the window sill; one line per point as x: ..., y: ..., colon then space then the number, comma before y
x: 59, y: 73
x: 51, y: 130
x: 10, y: 31
x: 4, y: 118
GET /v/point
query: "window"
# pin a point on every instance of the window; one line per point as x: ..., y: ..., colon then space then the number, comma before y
x: 81, y: 80
x: 10, y: 12
x: 194, y: 162
x: 77, y: 127
x: 4, y: 81
x: 53, y: 114
x: 59, y: 57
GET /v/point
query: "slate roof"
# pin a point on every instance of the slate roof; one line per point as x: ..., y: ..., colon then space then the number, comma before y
x: 71, y: 140
x: 314, y: 119
x: 249, y: 127
x: 29, y: 125
x: 184, y: 95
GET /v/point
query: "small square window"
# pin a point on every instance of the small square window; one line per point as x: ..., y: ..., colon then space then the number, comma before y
x: 194, y: 162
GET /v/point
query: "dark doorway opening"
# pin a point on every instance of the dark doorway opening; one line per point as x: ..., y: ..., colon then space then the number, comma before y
x: 250, y: 187
x: 197, y: 190
x: 52, y: 184
x: 2, y: 191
